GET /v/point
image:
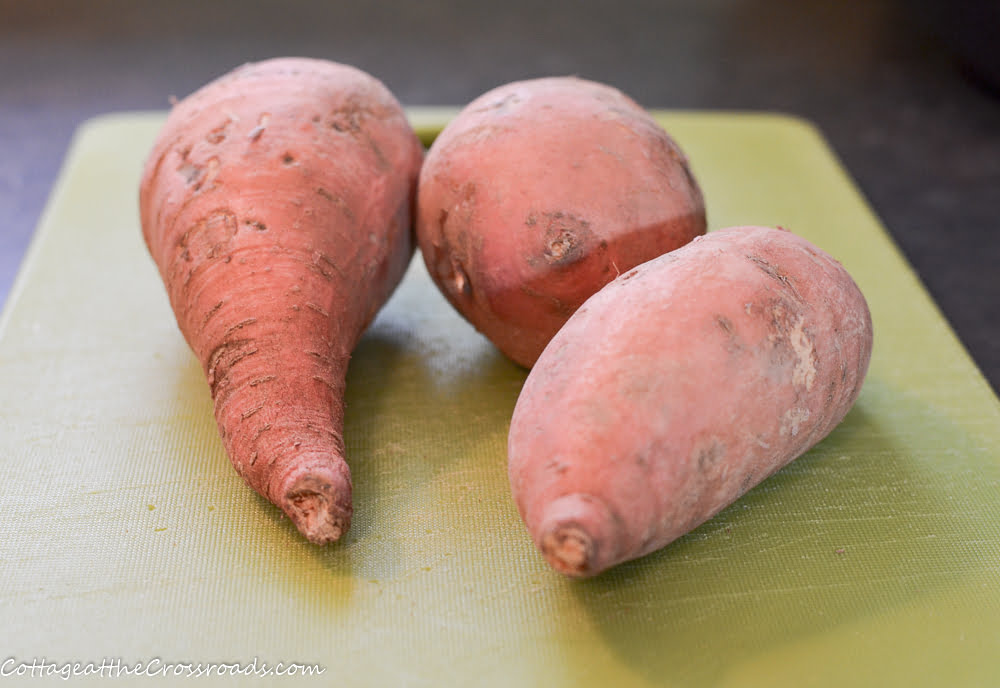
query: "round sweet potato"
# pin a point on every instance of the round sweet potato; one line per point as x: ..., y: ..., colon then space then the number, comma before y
x: 539, y: 193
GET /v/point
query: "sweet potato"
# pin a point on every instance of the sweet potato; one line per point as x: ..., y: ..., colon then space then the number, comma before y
x: 679, y: 386
x: 540, y: 192
x: 277, y: 204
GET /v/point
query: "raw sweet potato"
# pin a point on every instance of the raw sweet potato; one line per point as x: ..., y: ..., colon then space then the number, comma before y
x: 678, y: 387
x: 540, y: 192
x: 277, y: 204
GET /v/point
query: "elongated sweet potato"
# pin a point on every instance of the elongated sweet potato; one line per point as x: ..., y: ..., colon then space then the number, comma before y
x: 678, y: 387
x: 539, y: 193
x: 277, y: 204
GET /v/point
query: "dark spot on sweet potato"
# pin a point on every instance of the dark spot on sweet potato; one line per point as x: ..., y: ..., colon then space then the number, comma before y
x: 212, y: 311
x: 219, y: 133
x: 559, y: 246
x: 325, y: 266
x: 346, y: 119
x: 769, y: 269
x: 459, y: 280
x: 566, y: 238
x: 380, y: 158
x: 732, y: 342
x: 450, y: 272
x: 224, y: 357
x: 782, y: 315
x: 774, y: 272
x: 208, y: 237
x: 467, y: 195
x: 710, y: 456
x: 336, y: 200
x: 642, y: 460
x: 191, y: 172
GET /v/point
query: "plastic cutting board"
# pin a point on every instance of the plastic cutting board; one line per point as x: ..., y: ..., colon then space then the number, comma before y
x: 126, y: 536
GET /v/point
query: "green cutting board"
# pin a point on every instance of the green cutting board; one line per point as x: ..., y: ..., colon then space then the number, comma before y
x: 873, y: 560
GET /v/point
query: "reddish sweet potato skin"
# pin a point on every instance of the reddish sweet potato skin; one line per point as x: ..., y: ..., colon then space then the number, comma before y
x: 277, y: 204
x: 678, y: 387
x: 541, y: 191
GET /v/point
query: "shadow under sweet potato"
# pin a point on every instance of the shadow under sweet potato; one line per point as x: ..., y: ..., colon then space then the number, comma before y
x: 869, y: 521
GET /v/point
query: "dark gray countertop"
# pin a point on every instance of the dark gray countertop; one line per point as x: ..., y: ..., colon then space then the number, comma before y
x: 918, y: 133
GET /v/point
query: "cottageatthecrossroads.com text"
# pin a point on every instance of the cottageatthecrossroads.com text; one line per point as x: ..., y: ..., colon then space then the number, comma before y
x: 116, y: 667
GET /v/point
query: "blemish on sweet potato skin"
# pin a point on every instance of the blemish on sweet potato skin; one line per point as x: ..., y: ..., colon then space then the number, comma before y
x: 566, y: 238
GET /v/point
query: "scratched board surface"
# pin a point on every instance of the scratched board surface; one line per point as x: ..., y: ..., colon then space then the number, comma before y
x: 873, y: 560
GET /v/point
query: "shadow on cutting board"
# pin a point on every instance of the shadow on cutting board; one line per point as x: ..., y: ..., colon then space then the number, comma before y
x: 868, y: 522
